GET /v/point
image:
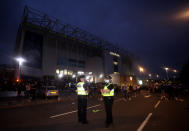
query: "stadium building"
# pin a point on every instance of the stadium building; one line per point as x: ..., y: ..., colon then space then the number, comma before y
x: 53, y: 49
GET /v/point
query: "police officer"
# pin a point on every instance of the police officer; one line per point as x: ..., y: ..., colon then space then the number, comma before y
x: 108, y: 95
x: 82, y: 93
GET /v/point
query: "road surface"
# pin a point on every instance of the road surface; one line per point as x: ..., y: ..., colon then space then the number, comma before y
x: 146, y: 112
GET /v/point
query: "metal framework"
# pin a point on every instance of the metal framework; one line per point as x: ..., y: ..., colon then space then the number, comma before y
x: 38, y: 18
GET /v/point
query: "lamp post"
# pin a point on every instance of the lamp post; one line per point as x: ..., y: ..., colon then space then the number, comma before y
x: 20, y: 61
x: 175, y: 72
x: 166, y: 70
x: 141, y: 70
x: 150, y: 76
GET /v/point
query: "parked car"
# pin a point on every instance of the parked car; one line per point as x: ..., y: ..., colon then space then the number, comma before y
x: 49, y: 91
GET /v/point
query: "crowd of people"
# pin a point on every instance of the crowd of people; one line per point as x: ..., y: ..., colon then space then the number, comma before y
x: 29, y: 87
x: 169, y: 91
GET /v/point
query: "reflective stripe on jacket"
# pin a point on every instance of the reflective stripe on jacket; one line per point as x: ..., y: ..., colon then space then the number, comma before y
x: 111, y: 93
x: 80, y: 89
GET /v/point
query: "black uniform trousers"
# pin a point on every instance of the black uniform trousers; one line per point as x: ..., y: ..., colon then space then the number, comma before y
x: 108, y: 102
x: 82, y: 108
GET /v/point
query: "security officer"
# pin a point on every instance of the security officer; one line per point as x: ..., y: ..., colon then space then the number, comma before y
x: 82, y: 93
x: 108, y: 95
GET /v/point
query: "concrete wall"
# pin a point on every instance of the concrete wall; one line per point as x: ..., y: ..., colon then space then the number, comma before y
x: 49, y: 56
x: 55, y: 47
x: 95, y: 65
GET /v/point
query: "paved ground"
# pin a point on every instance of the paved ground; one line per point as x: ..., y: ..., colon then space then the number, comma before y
x: 145, y: 112
x: 14, y: 102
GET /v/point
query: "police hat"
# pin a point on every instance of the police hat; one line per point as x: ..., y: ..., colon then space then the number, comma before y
x: 81, y: 76
x: 108, y: 77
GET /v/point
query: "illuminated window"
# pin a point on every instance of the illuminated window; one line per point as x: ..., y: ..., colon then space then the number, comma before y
x: 57, y: 71
x: 70, y: 72
x: 61, y: 72
x: 114, y: 54
x: 65, y: 72
x: 115, y: 63
x: 115, y: 72
x: 80, y: 72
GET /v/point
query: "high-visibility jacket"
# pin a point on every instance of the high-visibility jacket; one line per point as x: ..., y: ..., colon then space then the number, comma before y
x: 111, y: 93
x: 80, y: 89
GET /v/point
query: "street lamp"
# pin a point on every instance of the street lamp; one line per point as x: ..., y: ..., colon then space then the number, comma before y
x: 20, y: 61
x: 166, y: 70
x: 175, y: 72
x: 150, y: 75
x: 141, y: 69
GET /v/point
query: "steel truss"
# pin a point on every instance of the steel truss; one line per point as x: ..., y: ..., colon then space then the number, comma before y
x: 38, y: 18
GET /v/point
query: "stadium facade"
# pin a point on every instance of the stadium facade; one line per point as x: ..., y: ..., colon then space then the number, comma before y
x: 54, y: 49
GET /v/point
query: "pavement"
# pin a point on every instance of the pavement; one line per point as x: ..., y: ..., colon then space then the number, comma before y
x: 146, y: 112
x: 21, y: 101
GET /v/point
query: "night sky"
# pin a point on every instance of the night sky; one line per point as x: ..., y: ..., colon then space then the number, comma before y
x: 157, y: 31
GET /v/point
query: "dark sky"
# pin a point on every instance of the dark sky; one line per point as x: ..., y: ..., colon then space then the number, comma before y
x: 155, y: 30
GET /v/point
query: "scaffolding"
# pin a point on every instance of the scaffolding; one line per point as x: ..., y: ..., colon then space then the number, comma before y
x: 54, y: 25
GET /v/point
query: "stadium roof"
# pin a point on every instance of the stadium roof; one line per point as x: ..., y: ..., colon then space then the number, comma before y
x: 38, y: 18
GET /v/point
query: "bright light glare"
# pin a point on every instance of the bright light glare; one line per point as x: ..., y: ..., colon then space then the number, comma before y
x: 73, y: 76
x: 150, y: 75
x: 80, y: 72
x: 140, y: 82
x: 141, y: 69
x: 184, y: 14
x: 101, y: 75
x: 87, y: 77
x: 20, y: 60
x: 60, y: 75
x: 131, y: 78
x: 17, y: 80
x: 175, y: 71
x: 166, y: 68
x: 57, y: 71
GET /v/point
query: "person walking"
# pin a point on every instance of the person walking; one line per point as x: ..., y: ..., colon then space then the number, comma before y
x: 125, y: 92
x: 28, y: 90
x: 82, y: 92
x: 108, y: 95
